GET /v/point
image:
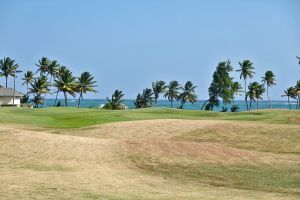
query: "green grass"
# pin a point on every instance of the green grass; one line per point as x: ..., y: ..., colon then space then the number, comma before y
x: 76, y: 118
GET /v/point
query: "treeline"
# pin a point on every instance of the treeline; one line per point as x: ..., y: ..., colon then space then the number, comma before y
x: 53, y: 78
x: 50, y: 77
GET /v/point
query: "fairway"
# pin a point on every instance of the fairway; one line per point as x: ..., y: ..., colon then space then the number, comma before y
x: 68, y: 153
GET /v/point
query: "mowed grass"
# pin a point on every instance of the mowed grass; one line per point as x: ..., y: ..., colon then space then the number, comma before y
x: 58, y: 153
x: 76, y: 118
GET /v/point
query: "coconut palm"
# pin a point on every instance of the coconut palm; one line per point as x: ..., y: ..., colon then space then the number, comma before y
x: 297, y: 91
x: 255, y: 93
x: 85, y: 83
x: 246, y: 71
x: 115, y: 103
x: 52, y: 69
x: 14, y: 75
x: 43, y: 65
x: 158, y: 87
x: 145, y: 99
x: 38, y: 87
x: 236, y: 88
x: 269, y: 80
x: 188, y: 94
x: 28, y: 78
x: 172, y: 91
x: 7, y: 67
x: 290, y: 93
x: 61, y: 69
x: 65, y: 83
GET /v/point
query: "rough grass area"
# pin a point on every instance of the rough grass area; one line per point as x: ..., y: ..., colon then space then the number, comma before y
x: 168, y: 154
x: 76, y: 118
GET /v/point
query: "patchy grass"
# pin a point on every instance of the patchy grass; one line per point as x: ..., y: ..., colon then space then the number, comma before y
x: 76, y: 118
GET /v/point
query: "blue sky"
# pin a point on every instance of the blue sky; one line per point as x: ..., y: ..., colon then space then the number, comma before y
x: 128, y: 44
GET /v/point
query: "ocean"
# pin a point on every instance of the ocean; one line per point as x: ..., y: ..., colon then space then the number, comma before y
x: 95, y: 103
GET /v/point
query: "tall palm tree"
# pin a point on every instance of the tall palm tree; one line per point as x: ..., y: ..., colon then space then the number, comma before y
x: 28, y: 78
x: 269, y: 80
x: 52, y: 69
x: 85, y: 83
x: 116, y: 100
x: 188, y: 94
x: 66, y: 84
x: 7, y: 67
x: 290, y: 93
x: 61, y: 69
x: 158, y: 87
x: 297, y: 91
x: 246, y: 71
x: 14, y: 75
x: 42, y: 65
x: 172, y: 91
x: 236, y: 88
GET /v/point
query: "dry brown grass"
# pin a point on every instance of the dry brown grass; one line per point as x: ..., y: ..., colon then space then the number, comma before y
x: 94, y: 162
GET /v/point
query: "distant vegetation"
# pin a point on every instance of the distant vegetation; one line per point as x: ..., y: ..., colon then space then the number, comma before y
x: 53, y: 78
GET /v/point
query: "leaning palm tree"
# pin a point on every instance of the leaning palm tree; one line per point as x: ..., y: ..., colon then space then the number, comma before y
x: 290, y: 93
x: 236, y: 89
x: 7, y: 66
x: 66, y: 84
x: 115, y: 103
x: 85, y: 83
x: 255, y: 93
x: 269, y: 80
x: 246, y: 71
x: 28, y: 78
x: 188, y: 94
x: 172, y: 91
x: 43, y: 65
x: 61, y: 69
x: 145, y: 99
x: 158, y: 87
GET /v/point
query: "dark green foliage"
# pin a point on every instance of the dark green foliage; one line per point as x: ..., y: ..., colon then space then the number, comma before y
x: 145, y: 99
x: 115, y: 103
x: 172, y: 92
x: 290, y: 93
x: 158, y: 87
x: 221, y: 86
x: 187, y: 94
x: 224, y: 109
x: 234, y: 108
x: 24, y: 99
x: 255, y: 92
x: 85, y: 83
x: 269, y: 80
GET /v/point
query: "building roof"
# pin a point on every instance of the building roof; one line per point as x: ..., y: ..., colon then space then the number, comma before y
x: 9, y: 92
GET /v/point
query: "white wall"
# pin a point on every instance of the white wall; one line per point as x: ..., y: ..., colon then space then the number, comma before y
x: 9, y: 101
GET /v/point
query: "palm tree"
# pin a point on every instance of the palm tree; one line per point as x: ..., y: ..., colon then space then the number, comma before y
x: 145, y: 99
x: 188, y: 94
x: 66, y: 84
x: 7, y: 67
x: 43, y: 65
x: 158, y: 87
x: 61, y: 69
x: 38, y: 87
x: 246, y: 72
x: 52, y: 69
x: 269, y: 80
x: 15, y: 71
x: 28, y: 78
x: 85, y: 83
x: 172, y: 91
x: 236, y: 88
x: 116, y: 99
x: 255, y: 93
x: 290, y: 93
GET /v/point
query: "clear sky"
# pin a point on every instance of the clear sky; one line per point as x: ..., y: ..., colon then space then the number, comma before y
x: 127, y: 44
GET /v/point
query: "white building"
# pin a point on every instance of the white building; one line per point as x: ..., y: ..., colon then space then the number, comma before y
x: 6, y: 97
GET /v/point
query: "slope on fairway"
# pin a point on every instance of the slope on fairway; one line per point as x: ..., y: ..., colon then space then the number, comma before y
x: 151, y: 159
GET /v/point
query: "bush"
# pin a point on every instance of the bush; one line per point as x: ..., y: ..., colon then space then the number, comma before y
x: 234, y: 108
x: 121, y: 106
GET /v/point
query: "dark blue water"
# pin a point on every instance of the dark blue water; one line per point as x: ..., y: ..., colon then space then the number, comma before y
x: 95, y: 103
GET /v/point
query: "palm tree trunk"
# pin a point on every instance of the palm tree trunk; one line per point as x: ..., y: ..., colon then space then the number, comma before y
x: 171, y: 102
x: 250, y: 104
x: 79, y: 99
x: 203, y: 105
x: 6, y: 81
x: 14, y: 90
x: 66, y: 100
x: 246, y: 94
x: 289, y: 102
x: 269, y: 97
x: 55, y: 99
x: 257, y: 104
